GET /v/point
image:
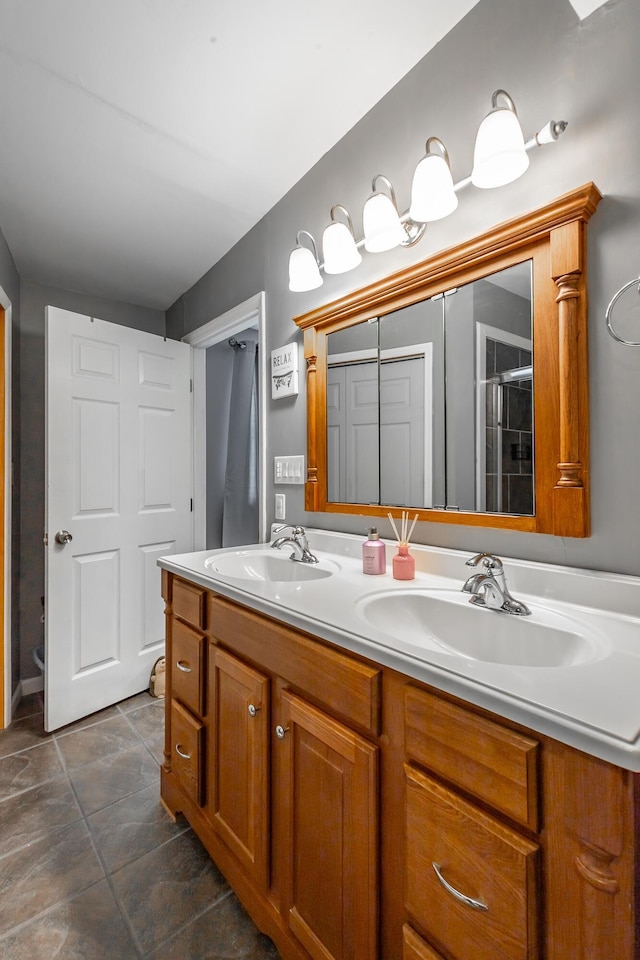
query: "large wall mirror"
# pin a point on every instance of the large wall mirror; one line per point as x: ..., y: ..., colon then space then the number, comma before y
x: 458, y: 387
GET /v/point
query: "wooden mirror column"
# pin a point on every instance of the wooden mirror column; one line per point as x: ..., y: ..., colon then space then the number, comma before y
x: 554, y: 239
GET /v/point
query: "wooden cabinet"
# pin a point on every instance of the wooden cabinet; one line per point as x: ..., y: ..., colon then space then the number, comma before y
x: 362, y: 815
x: 471, y: 881
x: 329, y: 792
x: 237, y: 760
x: 287, y: 800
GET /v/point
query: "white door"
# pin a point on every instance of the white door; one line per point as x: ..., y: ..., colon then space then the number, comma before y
x: 119, y: 470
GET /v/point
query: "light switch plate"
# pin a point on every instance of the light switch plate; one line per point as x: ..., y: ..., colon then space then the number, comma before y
x: 288, y: 469
x: 280, y: 506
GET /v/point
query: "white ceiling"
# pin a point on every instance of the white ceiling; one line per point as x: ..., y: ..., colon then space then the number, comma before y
x: 140, y: 139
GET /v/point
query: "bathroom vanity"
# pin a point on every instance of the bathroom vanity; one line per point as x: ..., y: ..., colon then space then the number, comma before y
x: 376, y: 796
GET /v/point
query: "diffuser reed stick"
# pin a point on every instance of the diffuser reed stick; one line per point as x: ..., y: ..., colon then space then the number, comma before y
x: 405, y: 535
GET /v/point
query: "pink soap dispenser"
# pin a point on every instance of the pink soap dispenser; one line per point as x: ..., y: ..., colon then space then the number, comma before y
x: 374, y: 554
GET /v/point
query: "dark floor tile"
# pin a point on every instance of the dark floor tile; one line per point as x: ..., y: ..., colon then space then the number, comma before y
x: 89, y: 721
x: 155, y: 746
x: 46, y: 872
x: 139, y: 700
x: 26, y: 769
x: 32, y: 703
x: 148, y: 720
x: 89, y: 927
x: 223, y: 931
x: 22, y: 734
x: 104, y: 739
x: 27, y: 816
x: 114, y: 777
x: 132, y: 827
x: 163, y: 890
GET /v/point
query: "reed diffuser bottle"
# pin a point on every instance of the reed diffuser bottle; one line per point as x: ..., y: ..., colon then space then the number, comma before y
x: 404, y: 565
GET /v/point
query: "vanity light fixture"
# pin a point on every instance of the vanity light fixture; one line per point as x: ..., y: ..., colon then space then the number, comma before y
x: 339, y: 246
x: 500, y: 156
x: 432, y: 194
x: 381, y: 220
x: 304, y: 267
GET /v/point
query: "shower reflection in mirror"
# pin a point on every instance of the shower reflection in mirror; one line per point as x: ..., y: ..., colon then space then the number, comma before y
x: 432, y: 405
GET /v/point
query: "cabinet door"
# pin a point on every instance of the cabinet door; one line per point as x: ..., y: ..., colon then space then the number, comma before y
x: 471, y: 882
x: 237, y: 760
x: 329, y: 789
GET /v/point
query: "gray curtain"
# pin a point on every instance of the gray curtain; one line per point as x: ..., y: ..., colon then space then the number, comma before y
x: 240, y: 519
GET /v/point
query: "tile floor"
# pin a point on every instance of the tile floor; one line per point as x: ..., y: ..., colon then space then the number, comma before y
x: 91, y: 865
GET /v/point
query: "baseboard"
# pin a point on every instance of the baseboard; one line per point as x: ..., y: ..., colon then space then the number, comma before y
x: 31, y: 685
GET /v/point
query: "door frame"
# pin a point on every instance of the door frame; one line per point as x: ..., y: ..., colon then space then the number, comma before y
x: 6, y: 700
x: 249, y: 313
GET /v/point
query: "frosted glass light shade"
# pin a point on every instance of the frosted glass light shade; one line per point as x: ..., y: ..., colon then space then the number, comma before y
x: 499, y: 156
x: 432, y: 193
x: 303, y: 270
x: 382, y: 227
x: 339, y: 249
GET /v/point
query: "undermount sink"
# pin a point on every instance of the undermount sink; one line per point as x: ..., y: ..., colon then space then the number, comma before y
x: 268, y: 567
x: 444, y: 620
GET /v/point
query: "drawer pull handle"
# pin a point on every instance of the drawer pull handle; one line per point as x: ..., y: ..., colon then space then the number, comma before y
x: 181, y: 753
x: 281, y: 731
x: 474, y: 904
x: 252, y: 710
x: 182, y: 666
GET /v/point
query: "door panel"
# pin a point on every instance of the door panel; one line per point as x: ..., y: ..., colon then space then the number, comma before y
x: 119, y: 480
x: 332, y: 834
x: 237, y: 762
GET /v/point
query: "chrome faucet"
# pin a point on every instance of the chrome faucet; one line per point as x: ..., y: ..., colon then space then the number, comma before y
x: 489, y: 589
x: 299, y: 542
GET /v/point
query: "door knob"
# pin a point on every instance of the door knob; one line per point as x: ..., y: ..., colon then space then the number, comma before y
x: 63, y: 536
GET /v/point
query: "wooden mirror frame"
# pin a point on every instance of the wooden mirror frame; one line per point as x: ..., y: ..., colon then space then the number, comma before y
x: 554, y: 239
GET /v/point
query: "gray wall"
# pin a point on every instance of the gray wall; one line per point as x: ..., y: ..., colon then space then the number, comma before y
x: 10, y: 283
x: 29, y: 398
x: 554, y: 67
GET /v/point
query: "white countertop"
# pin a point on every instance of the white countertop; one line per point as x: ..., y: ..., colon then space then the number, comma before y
x: 593, y: 706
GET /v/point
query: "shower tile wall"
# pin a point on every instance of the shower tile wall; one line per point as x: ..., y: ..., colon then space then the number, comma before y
x: 517, y: 433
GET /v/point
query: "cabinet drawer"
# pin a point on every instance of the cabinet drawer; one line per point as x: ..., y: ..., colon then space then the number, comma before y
x: 187, y: 740
x: 415, y: 948
x: 482, y: 860
x: 187, y: 667
x: 189, y: 602
x: 347, y: 686
x: 484, y: 758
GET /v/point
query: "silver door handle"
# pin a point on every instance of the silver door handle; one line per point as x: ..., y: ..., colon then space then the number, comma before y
x: 181, y: 753
x: 63, y: 536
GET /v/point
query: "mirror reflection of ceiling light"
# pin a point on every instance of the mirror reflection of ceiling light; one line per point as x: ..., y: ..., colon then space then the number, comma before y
x: 500, y: 157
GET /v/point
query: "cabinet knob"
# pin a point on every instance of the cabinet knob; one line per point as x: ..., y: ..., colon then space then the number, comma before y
x: 182, y: 666
x: 181, y: 753
x: 252, y: 710
x: 280, y: 732
x: 468, y: 901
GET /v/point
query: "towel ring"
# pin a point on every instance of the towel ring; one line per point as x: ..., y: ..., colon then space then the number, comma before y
x: 614, y: 300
